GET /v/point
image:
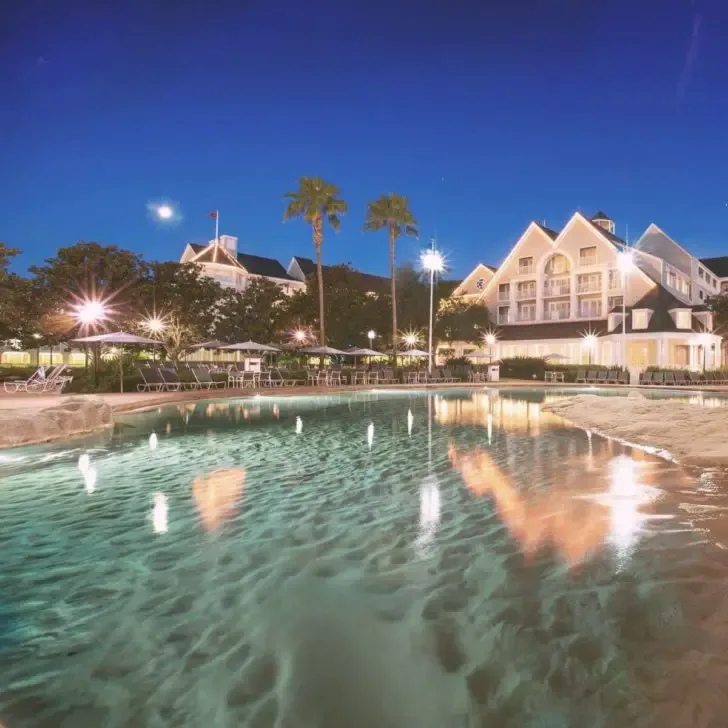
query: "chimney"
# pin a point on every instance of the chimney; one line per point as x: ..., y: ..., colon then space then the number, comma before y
x: 230, y: 243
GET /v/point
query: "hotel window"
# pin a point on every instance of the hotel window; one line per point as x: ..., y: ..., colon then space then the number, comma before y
x: 614, y: 302
x: 724, y: 287
x: 557, y: 265
x: 589, y: 283
x: 683, y: 319
x: 700, y: 293
x: 671, y: 279
x: 525, y: 266
x: 590, y: 308
x: 526, y: 289
x: 504, y: 291
x: 503, y: 313
x: 615, y: 279
x: 701, y: 273
x: 588, y: 256
x: 526, y: 311
x: 640, y: 319
x: 558, y: 310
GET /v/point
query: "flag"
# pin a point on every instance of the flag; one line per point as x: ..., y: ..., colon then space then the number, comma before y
x: 213, y: 215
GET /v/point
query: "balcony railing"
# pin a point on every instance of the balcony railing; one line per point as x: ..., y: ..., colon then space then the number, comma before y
x: 557, y: 288
x: 504, y: 295
x: 525, y: 293
x: 525, y: 270
x: 504, y: 320
x: 590, y: 313
x: 591, y: 287
x: 557, y: 315
x: 588, y: 260
x: 526, y: 317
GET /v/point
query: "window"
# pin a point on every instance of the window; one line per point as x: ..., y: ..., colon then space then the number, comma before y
x: 700, y: 293
x: 557, y: 287
x: 557, y: 265
x: 671, y: 279
x: 526, y: 289
x: 724, y: 287
x: 504, y: 291
x: 701, y: 274
x: 683, y: 319
x: 615, y: 279
x: 589, y: 283
x: 503, y: 313
x: 590, y: 308
x: 588, y: 256
x: 525, y: 266
x: 614, y: 302
x: 557, y: 310
x: 640, y: 319
x: 526, y: 311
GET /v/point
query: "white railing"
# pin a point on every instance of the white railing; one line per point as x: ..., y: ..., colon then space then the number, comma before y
x: 591, y: 287
x: 504, y: 295
x: 588, y: 260
x: 557, y: 288
x: 525, y: 270
x: 526, y: 317
x: 557, y: 315
x: 589, y: 312
x: 524, y: 293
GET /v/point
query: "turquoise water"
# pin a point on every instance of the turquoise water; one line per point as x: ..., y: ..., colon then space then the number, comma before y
x: 456, y: 558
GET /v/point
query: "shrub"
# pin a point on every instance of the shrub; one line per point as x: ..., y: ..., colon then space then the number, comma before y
x: 525, y: 367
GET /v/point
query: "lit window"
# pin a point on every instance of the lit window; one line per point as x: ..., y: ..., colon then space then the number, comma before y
x: 525, y: 266
x: 683, y: 319
x: 588, y: 256
x: 640, y: 319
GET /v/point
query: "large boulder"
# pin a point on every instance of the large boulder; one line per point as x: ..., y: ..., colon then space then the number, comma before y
x: 72, y: 416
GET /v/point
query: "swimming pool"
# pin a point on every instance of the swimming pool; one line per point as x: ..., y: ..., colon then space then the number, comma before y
x: 453, y: 558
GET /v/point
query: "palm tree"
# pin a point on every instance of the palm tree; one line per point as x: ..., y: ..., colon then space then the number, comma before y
x: 392, y: 212
x: 316, y: 200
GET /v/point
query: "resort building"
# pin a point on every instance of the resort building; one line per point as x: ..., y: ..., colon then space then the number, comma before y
x: 221, y: 260
x: 566, y: 294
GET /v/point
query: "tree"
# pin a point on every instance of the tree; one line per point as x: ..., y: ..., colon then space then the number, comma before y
x: 391, y: 212
x: 350, y: 312
x: 257, y: 313
x: 719, y: 306
x: 16, y: 299
x: 460, y: 321
x: 316, y: 200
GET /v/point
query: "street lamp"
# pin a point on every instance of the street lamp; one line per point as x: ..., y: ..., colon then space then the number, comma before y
x: 490, y: 338
x: 89, y: 312
x: 590, y: 342
x: 299, y: 336
x: 433, y: 262
x: 410, y: 338
x: 625, y: 262
x: 371, y: 336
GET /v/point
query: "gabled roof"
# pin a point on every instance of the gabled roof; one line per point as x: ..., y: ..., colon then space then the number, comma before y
x: 256, y: 265
x: 553, y: 234
x: 370, y: 281
x: 719, y: 266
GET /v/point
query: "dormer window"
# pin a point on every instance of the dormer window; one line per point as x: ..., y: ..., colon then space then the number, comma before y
x: 640, y: 319
x: 683, y: 319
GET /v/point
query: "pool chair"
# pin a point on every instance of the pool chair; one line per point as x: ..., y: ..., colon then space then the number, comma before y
x: 171, y: 379
x: 645, y: 378
x: 602, y: 376
x: 612, y: 376
x: 53, y: 383
x: 448, y: 376
x: 658, y: 378
x: 436, y: 377
x: 387, y: 376
x: 282, y: 378
x: 204, y: 380
x: 591, y: 376
x: 680, y: 379
x: 694, y: 379
x: 623, y: 377
x: 21, y: 385
x: 335, y: 377
x: 669, y: 379
x: 581, y: 376
x: 152, y: 379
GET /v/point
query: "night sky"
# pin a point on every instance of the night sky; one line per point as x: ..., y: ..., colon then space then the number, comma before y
x: 486, y: 113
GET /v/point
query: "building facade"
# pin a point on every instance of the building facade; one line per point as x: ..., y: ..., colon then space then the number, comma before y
x: 566, y: 295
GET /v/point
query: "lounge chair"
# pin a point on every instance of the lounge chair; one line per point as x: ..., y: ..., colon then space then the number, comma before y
x: 612, y: 376
x: 669, y: 379
x: 623, y: 377
x: 282, y: 378
x: 680, y: 378
x: 591, y: 376
x: 386, y: 376
x: 602, y: 376
x: 581, y: 376
x: 335, y: 377
x: 152, y: 379
x: 436, y: 377
x: 21, y: 385
x: 448, y: 375
x: 204, y: 380
x: 658, y: 378
x: 646, y: 378
x: 53, y: 382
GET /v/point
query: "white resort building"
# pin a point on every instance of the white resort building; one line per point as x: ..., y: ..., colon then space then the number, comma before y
x: 564, y: 295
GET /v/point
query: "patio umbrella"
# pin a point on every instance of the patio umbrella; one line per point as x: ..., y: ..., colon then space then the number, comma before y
x: 120, y: 338
x: 324, y: 351
x: 209, y: 345
x: 356, y: 351
x: 249, y: 346
x: 415, y: 353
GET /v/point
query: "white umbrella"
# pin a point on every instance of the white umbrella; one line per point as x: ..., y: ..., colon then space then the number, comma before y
x: 324, y: 351
x: 356, y: 351
x: 209, y: 345
x: 121, y: 338
x: 416, y: 353
x: 249, y: 346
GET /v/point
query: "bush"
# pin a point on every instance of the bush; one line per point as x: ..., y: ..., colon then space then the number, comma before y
x: 524, y: 367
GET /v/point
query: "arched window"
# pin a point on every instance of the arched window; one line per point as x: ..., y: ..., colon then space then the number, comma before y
x: 557, y: 265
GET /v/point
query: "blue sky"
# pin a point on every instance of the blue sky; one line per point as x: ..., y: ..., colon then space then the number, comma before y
x: 486, y: 115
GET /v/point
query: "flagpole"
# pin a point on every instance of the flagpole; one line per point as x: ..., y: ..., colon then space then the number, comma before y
x: 217, y: 226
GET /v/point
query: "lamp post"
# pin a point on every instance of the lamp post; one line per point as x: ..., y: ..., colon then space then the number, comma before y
x: 433, y: 262
x: 625, y: 263
x: 490, y: 339
x: 154, y: 325
x: 371, y: 336
x: 590, y: 342
x: 88, y: 313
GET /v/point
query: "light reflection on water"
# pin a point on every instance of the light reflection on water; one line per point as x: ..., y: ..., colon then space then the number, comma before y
x: 478, y: 561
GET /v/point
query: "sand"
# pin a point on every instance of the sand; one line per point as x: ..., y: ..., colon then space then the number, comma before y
x: 687, y: 433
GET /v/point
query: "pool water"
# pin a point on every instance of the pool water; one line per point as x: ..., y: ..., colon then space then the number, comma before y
x: 426, y: 559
